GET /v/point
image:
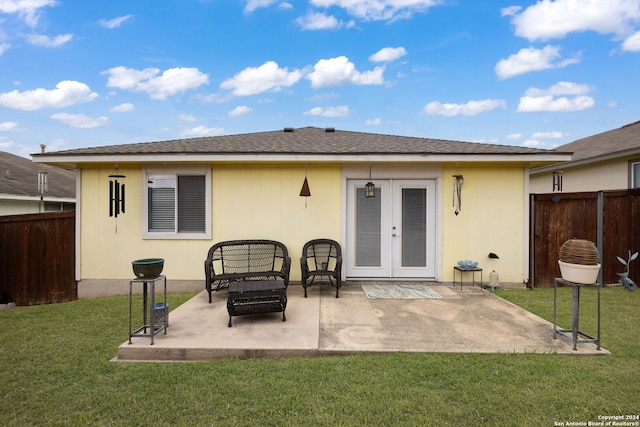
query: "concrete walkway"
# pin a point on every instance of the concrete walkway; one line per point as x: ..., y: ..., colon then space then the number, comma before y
x: 470, y: 320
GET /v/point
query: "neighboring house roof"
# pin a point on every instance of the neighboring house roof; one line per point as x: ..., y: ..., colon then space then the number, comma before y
x: 19, y: 179
x: 308, y: 143
x: 615, y: 143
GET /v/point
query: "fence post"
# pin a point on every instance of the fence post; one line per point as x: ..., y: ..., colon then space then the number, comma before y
x: 600, y: 233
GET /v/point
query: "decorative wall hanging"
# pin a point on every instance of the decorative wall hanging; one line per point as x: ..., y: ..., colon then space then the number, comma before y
x: 116, y: 194
x: 305, y: 191
x: 369, y: 187
x: 458, y: 180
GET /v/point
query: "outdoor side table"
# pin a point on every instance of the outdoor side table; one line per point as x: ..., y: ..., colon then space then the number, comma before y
x: 467, y: 270
x: 259, y: 296
x: 574, y: 333
x: 155, y: 316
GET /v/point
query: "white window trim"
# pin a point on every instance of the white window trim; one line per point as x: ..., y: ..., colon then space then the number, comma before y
x: 632, y: 175
x: 182, y: 170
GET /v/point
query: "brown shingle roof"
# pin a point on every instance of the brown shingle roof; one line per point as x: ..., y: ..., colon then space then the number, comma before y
x: 305, y: 141
x: 19, y: 176
x: 622, y: 141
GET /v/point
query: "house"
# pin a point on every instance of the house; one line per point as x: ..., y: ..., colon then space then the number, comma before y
x: 436, y: 202
x: 607, y: 161
x: 19, y: 190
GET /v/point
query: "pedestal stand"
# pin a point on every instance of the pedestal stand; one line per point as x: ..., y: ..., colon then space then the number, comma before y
x: 155, y: 317
x: 574, y: 333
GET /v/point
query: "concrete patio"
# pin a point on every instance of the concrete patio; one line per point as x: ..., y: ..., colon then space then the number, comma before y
x: 470, y: 320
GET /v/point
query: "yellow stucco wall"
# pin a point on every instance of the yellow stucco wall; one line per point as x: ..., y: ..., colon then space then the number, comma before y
x: 257, y: 201
x: 249, y: 201
x: 492, y: 219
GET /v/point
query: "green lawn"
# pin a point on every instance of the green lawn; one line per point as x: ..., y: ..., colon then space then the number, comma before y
x: 55, y: 369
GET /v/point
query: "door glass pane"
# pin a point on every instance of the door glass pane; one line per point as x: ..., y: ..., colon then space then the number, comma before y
x: 414, y: 230
x: 636, y: 175
x: 368, y: 229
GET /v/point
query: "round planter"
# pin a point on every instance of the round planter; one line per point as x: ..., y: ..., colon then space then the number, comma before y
x: 578, y: 273
x: 148, y: 268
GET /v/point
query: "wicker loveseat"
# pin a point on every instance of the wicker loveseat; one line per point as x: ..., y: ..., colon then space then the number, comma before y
x: 246, y: 261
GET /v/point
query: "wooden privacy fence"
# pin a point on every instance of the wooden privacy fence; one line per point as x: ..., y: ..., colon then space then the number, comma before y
x: 607, y: 218
x: 37, y: 258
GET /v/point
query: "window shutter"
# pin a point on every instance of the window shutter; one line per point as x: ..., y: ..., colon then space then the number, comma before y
x: 162, y: 209
x: 191, y: 203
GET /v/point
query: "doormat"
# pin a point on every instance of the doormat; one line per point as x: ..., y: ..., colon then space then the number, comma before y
x: 399, y: 291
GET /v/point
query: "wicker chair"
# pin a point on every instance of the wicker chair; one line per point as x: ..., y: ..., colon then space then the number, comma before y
x: 321, y: 257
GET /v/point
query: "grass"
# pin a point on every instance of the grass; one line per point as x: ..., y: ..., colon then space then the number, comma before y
x: 55, y: 370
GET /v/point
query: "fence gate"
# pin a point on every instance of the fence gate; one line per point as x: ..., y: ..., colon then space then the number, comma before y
x: 37, y: 258
x: 604, y: 217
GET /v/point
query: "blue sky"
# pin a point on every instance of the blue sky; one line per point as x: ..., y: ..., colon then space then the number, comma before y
x: 78, y: 73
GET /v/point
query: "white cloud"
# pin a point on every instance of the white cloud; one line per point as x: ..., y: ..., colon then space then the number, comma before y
x: 373, y: 122
x: 268, y: 76
x: 339, y: 71
x: 548, y: 19
x: 510, y: 11
x: 7, y: 126
x: 531, y: 59
x: 199, y: 131
x: 561, y: 97
x: 170, y: 82
x: 560, y: 88
x: 187, y: 118
x: 115, y: 22
x: 471, y: 108
x: 4, y: 47
x: 123, y: 108
x: 46, y: 41
x: 318, y: 21
x: 29, y: 10
x: 631, y: 44
x: 548, y: 135
x: 514, y: 136
x: 530, y: 104
x: 388, y: 54
x: 66, y: 93
x: 257, y: 4
x: 374, y: 10
x: 80, y: 120
x: 339, y: 111
x: 5, y: 143
x: 240, y: 111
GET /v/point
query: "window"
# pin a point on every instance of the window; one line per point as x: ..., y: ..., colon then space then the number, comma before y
x: 177, y: 204
x: 635, y: 175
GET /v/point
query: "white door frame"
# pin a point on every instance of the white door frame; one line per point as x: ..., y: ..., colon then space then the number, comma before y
x: 389, y: 196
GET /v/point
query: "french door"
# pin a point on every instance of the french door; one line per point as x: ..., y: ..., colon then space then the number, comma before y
x: 392, y: 234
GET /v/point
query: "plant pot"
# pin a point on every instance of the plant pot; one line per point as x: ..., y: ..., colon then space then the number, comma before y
x: 148, y: 268
x: 578, y: 273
